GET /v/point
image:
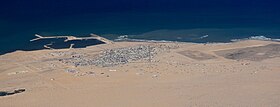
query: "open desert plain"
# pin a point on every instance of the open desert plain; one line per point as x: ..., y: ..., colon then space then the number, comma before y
x: 144, y: 74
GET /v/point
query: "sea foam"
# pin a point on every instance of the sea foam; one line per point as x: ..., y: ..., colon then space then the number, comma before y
x: 126, y: 38
x: 260, y: 37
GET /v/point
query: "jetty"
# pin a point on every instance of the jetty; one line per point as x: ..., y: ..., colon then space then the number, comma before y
x: 69, y: 38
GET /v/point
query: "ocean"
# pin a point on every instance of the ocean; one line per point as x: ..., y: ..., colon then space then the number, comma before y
x: 209, y: 21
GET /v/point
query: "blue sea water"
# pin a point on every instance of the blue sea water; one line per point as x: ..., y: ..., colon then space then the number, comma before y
x: 177, y: 20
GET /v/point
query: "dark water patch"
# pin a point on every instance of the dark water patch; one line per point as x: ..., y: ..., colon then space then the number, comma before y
x: 6, y: 93
x: 3, y: 93
x: 55, y: 43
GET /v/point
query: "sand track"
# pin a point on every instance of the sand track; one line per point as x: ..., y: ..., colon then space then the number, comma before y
x: 252, y: 53
x: 197, y: 55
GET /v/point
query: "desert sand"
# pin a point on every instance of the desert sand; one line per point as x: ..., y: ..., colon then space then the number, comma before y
x: 238, y: 74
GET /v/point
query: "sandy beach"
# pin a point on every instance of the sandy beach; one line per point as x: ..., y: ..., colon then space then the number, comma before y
x: 144, y: 74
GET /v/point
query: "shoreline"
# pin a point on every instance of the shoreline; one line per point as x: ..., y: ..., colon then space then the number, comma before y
x: 260, y: 38
x: 146, y: 41
x: 125, y: 38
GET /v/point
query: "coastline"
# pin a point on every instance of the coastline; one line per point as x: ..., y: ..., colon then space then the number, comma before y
x: 260, y: 38
x: 69, y: 38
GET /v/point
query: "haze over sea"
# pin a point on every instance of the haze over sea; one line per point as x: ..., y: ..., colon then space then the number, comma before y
x: 171, y: 20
